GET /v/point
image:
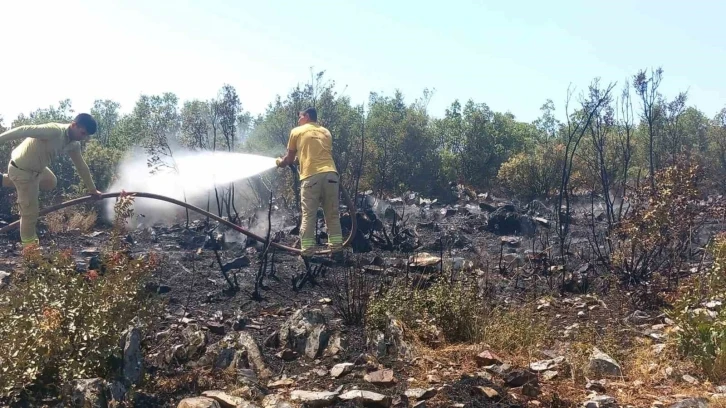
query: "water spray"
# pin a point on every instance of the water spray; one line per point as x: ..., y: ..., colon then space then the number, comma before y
x: 296, y: 251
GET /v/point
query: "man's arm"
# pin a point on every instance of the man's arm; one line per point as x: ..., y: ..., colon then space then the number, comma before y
x: 291, y: 151
x: 44, y: 132
x: 82, y: 168
x: 288, y: 159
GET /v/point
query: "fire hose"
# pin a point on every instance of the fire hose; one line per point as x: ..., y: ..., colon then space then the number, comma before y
x: 296, y: 251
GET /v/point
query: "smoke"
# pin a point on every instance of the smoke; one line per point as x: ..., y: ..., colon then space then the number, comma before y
x: 191, y: 176
x: 278, y: 221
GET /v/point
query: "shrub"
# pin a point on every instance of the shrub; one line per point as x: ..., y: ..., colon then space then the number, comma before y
x: 102, y: 162
x: 533, y: 175
x: 457, y: 310
x: 351, y: 290
x: 701, y: 334
x: 452, y: 307
x: 57, y: 324
x: 656, y: 235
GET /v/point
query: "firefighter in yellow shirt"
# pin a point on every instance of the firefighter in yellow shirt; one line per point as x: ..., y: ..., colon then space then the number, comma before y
x: 313, y: 145
x: 28, y: 170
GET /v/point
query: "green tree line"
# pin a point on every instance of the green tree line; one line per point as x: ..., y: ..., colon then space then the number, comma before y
x: 612, y: 136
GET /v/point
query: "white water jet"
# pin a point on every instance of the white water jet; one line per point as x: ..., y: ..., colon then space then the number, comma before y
x: 190, y: 176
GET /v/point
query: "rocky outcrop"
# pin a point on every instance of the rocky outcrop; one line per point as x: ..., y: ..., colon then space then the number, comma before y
x: 305, y: 332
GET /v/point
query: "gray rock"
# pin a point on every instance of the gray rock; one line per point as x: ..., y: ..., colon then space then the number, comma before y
x: 227, y: 358
x: 314, y: 399
x: 340, y: 370
x: 133, y: 358
x: 91, y: 251
x: 690, y: 379
x: 377, y: 343
x: 4, y: 279
x: 691, y: 403
x: 395, y: 337
x: 367, y: 398
x: 254, y: 355
x: 420, y: 393
x: 198, y: 402
x: 602, y: 364
x: 380, y: 377
x: 116, y: 391
x: 316, y: 341
x: 601, y: 401
x: 518, y: 378
x: 195, y: 341
x: 220, y: 355
x: 225, y: 400
x: 391, y: 343
x: 335, y: 345
x: 499, y: 370
x: 545, y: 365
x: 305, y: 332
x: 596, y: 386
x: 487, y: 358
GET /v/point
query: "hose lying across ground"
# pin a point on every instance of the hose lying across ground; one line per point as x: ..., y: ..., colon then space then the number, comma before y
x: 296, y: 251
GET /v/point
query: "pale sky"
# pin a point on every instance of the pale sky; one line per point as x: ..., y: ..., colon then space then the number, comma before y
x: 511, y: 55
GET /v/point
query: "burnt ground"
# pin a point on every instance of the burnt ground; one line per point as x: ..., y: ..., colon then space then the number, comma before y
x: 514, y: 264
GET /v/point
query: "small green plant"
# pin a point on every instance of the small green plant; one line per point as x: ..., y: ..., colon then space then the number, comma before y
x: 701, y: 334
x: 57, y: 324
x: 452, y: 307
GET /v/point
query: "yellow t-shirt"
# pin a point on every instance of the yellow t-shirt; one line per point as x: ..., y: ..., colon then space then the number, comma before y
x: 313, y: 145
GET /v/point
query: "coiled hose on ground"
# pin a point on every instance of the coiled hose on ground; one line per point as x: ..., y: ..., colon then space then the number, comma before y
x: 86, y: 199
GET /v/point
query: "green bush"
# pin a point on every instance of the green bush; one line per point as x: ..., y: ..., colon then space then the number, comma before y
x: 57, y: 324
x: 534, y: 175
x: 452, y: 307
x: 655, y: 237
x: 102, y: 162
x: 701, y: 334
x: 462, y: 316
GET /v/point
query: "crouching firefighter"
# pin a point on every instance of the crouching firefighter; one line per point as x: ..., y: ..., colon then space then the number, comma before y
x: 319, y: 181
x: 28, y: 171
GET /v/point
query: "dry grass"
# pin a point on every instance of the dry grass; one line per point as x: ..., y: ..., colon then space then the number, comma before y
x: 67, y: 220
x: 193, y: 381
x: 519, y: 335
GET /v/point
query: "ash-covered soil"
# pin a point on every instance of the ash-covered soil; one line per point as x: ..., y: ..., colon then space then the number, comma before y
x: 299, y: 337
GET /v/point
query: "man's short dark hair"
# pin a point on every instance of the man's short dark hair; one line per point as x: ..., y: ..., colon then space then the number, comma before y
x: 312, y: 113
x: 87, y: 122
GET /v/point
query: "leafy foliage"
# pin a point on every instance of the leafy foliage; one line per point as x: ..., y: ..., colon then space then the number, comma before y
x: 657, y: 233
x: 456, y: 310
x: 57, y: 324
x: 701, y: 335
x: 533, y: 175
x: 453, y: 308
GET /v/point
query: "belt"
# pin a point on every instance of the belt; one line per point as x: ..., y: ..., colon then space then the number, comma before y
x: 12, y: 163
